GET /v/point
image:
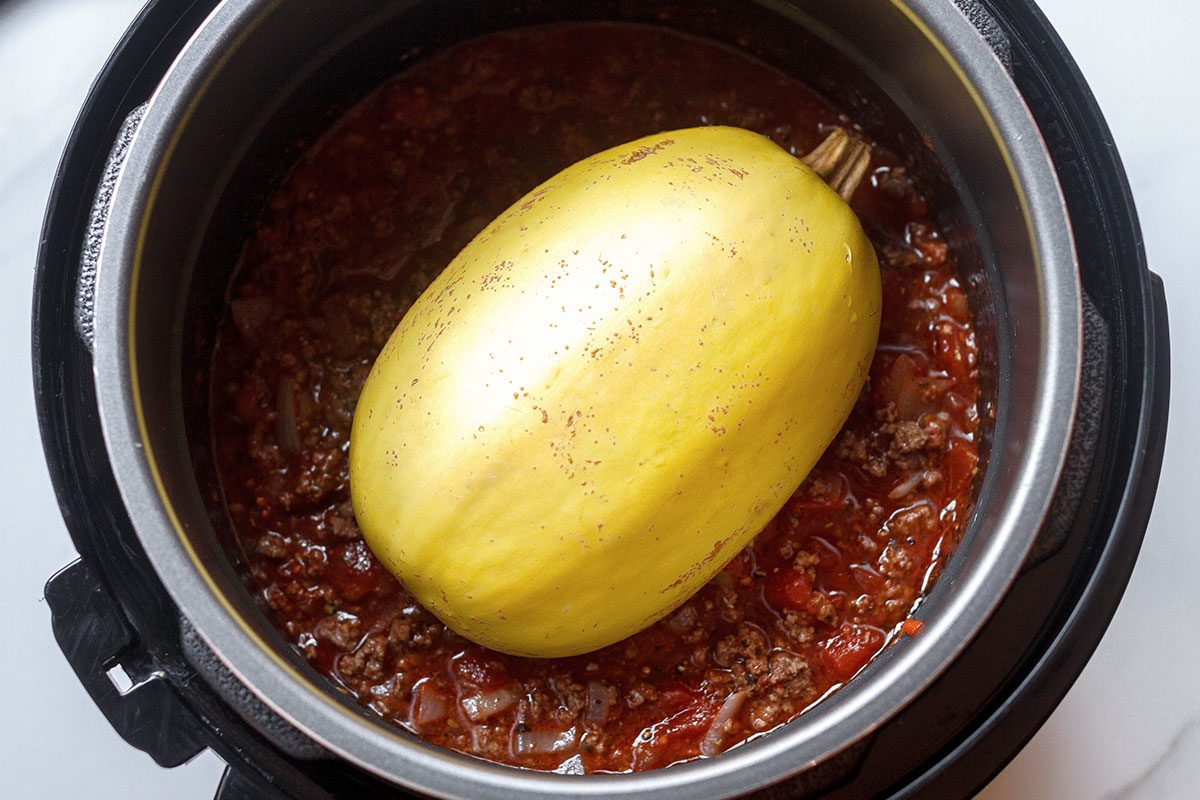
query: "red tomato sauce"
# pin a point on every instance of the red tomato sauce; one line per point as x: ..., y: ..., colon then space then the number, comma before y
x: 361, y: 225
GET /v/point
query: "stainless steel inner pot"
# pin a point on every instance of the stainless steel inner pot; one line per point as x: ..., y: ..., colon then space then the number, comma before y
x: 219, y: 132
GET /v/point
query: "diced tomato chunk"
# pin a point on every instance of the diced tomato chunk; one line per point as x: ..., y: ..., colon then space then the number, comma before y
x: 829, y: 557
x: 868, y: 579
x: 850, y: 649
x: 789, y: 589
x: 961, y: 463
x: 899, y: 385
x: 354, y: 572
x: 474, y: 668
x: 953, y: 354
x: 678, y: 697
x: 693, y: 716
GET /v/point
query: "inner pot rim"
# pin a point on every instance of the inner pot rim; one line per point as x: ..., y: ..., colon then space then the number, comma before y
x: 396, y: 756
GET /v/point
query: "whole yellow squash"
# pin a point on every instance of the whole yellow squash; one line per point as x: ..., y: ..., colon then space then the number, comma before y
x: 613, y: 388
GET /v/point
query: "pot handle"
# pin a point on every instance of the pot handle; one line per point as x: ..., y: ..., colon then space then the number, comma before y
x: 125, y: 685
x: 236, y: 786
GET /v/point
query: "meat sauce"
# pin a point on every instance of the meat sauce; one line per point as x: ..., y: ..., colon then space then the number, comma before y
x: 370, y: 215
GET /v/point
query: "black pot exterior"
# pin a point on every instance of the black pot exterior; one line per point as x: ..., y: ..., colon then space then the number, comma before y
x: 1081, y: 567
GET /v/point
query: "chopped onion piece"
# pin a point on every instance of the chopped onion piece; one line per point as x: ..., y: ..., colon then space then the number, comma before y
x: 907, y: 485
x: 429, y: 705
x: 600, y: 699
x: 487, y: 704
x: 543, y: 742
x: 711, y: 745
x: 287, y: 429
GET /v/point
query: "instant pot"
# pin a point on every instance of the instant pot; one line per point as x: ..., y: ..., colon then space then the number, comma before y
x: 199, y: 112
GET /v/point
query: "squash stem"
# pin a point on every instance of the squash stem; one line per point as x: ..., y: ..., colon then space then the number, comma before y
x: 841, y: 161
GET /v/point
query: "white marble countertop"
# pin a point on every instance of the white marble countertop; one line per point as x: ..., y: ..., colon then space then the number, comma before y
x: 1130, y: 727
